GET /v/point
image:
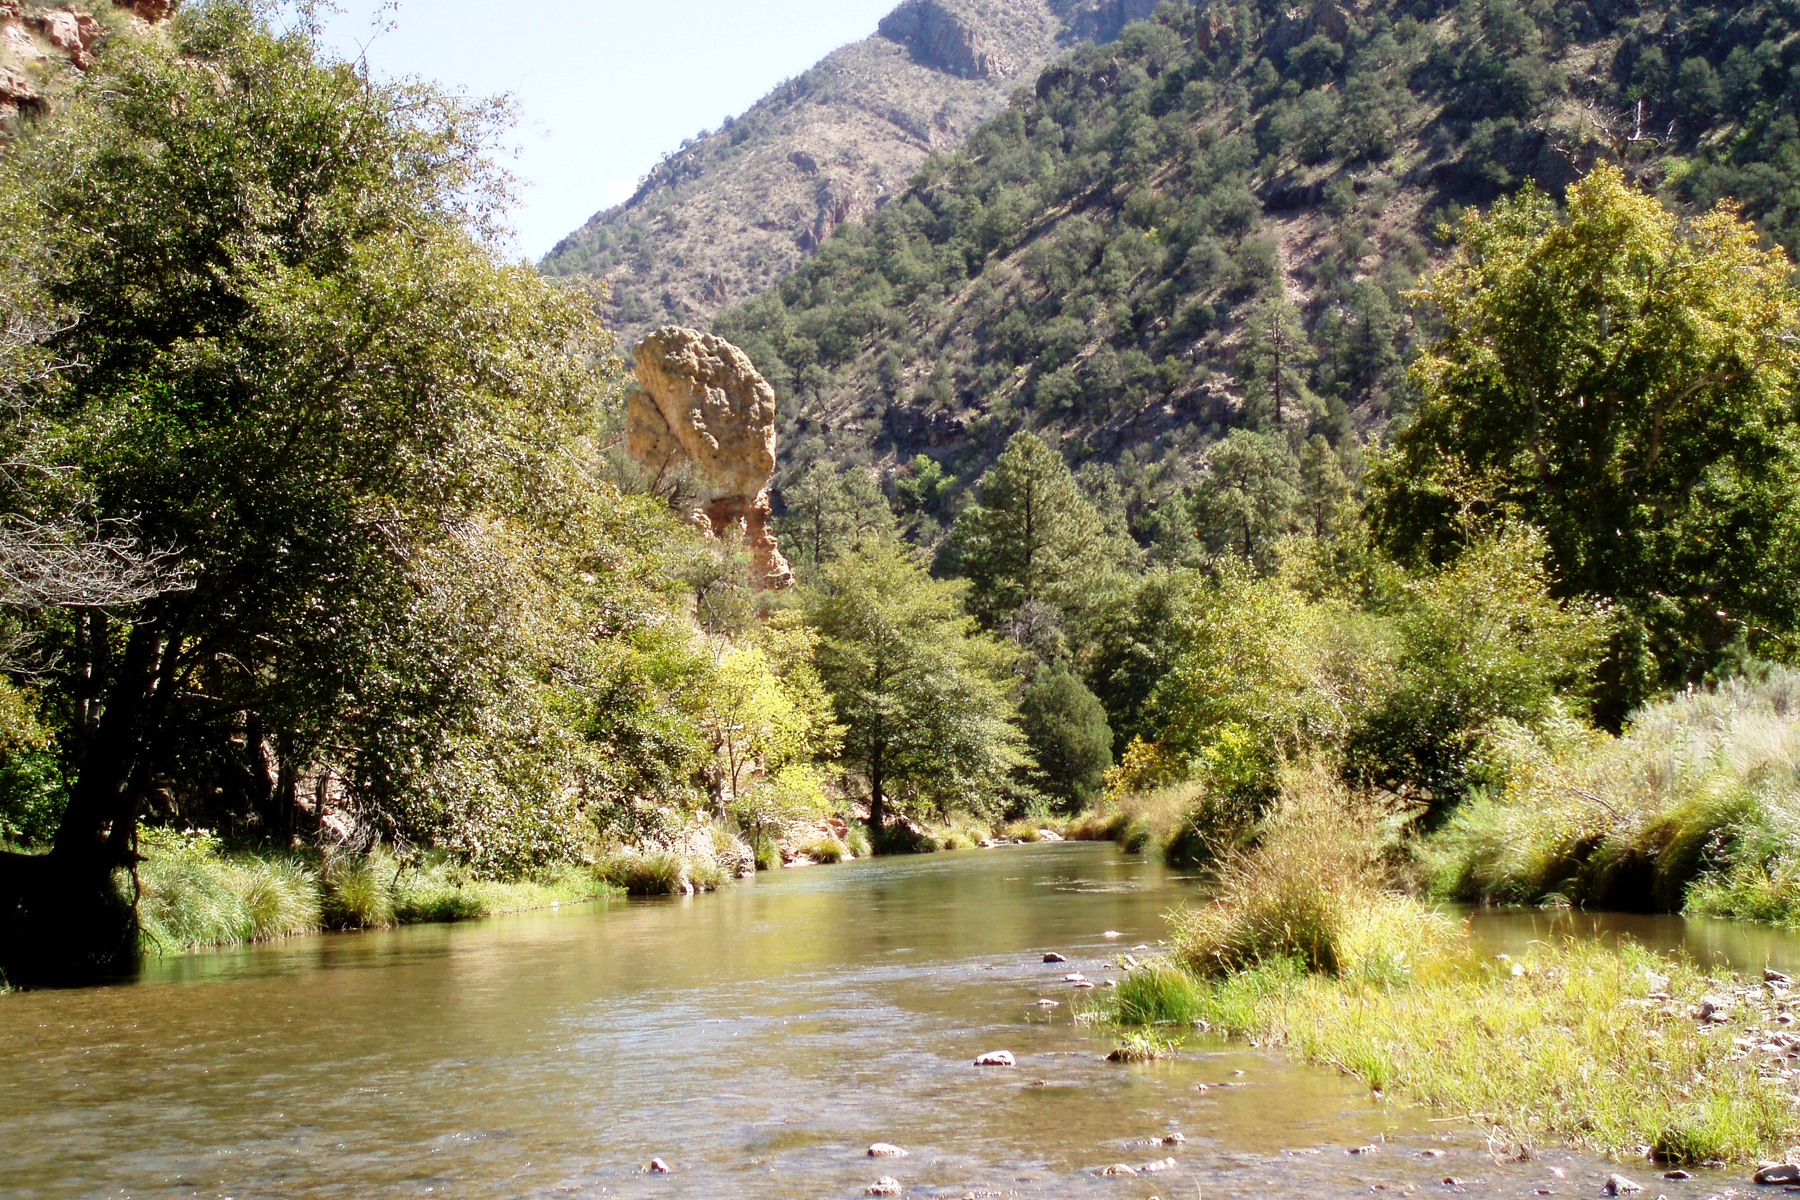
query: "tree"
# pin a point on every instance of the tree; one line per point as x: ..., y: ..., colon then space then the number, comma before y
x: 1623, y: 381
x: 1249, y: 495
x: 1031, y: 536
x: 829, y: 512
x: 306, y: 377
x: 921, y: 693
x: 1324, y: 491
x: 1274, y: 364
x: 1068, y: 734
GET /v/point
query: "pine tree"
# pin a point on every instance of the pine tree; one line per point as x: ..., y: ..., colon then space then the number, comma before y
x: 1031, y: 537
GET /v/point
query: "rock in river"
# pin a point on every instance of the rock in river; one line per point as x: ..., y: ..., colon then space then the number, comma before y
x: 887, y: 1185
x: 1777, y: 1173
x: 886, y: 1150
x: 1618, y: 1185
x: 995, y: 1058
x: 1053, y: 956
x: 657, y: 1167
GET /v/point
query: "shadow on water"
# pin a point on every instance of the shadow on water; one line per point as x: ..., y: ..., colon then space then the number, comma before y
x: 758, y: 1040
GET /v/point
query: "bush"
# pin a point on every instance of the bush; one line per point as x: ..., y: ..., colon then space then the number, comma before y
x: 857, y: 840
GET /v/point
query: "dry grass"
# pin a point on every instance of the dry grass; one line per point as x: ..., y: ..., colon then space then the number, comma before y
x: 1314, y: 891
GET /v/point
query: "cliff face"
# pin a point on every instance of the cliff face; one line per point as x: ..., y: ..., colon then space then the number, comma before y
x: 739, y: 208
x: 37, y: 43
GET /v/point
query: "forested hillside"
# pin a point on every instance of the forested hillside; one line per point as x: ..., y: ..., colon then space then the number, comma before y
x: 734, y: 209
x: 1212, y: 224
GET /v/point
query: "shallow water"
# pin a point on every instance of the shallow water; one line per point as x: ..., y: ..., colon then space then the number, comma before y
x: 758, y: 1040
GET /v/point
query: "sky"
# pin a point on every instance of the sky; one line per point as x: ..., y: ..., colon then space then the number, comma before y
x: 603, y: 88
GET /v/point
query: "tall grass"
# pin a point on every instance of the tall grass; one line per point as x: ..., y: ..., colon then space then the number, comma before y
x: 1314, y: 891
x: 1307, y: 947
x: 190, y: 894
x: 1695, y: 807
x: 1570, y: 1051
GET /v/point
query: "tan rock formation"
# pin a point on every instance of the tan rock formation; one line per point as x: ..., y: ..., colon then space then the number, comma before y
x: 698, y: 399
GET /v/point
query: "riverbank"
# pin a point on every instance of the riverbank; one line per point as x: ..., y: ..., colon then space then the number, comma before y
x: 192, y: 894
x: 1307, y: 946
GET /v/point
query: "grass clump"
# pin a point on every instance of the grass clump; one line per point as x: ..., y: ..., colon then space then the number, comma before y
x: 1021, y: 831
x: 1314, y: 891
x: 856, y: 840
x: 1695, y: 807
x: 661, y: 872
x: 191, y: 894
x: 356, y: 894
x: 1156, y: 993
x: 823, y: 848
x: 1144, y: 1045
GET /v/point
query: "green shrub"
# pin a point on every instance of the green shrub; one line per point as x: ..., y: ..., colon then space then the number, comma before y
x: 1144, y: 1045
x: 857, y: 840
x: 191, y: 895
x: 768, y: 853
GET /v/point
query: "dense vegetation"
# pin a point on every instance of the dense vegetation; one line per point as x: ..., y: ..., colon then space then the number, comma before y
x: 1211, y: 224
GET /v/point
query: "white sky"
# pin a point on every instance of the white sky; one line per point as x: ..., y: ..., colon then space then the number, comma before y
x: 603, y: 88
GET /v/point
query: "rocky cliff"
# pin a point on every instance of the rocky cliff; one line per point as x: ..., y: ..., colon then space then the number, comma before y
x: 738, y: 208
x: 39, y: 44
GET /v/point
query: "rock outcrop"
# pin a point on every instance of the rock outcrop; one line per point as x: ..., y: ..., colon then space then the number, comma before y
x: 940, y: 37
x: 698, y: 400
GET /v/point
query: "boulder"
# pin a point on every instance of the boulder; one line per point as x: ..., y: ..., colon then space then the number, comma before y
x: 994, y: 1058
x: 887, y: 1185
x: 1054, y: 957
x: 657, y: 1167
x: 1777, y: 1173
x: 699, y: 402
x: 886, y: 1150
x: 1618, y: 1185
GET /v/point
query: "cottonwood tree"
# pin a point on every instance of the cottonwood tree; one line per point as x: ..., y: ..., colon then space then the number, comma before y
x: 921, y: 693
x: 305, y: 375
x: 1623, y: 380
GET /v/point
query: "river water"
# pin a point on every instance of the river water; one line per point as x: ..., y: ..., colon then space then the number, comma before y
x: 757, y: 1040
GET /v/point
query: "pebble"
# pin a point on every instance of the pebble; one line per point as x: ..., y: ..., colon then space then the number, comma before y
x: 1618, y: 1185
x: 887, y: 1185
x: 1074, y: 977
x: 1676, y: 1175
x: 1120, y: 1169
x: 995, y: 1058
x: 1452, y: 1181
x: 657, y: 1167
x: 1770, y: 975
x: 1053, y: 956
x: 1370, y: 1149
x: 1161, y: 1164
x: 1085, y: 984
x: 886, y: 1150
x: 1431, y: 1154
x: 1112, y: 933
x: 1777, y: 1173
x: 1045, y: 1003
x: 1174, y: 1139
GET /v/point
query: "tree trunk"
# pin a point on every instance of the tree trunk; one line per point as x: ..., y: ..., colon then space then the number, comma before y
x: 62, y: 915
x: 877, y: 802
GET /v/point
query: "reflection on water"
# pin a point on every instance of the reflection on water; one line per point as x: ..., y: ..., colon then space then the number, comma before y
x: 758, y: 1040
x: 1739, y: 945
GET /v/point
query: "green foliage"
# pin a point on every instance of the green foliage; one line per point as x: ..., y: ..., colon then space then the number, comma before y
x: 1070, y: 740
x: 1622, y: 381
x: 827, y: 513
x: 1156, y: 993
x: 920, y: 693
x: 1249, y: 496
x: 1032, y: 537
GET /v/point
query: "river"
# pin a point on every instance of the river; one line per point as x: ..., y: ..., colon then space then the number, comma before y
x: 756, y: 1040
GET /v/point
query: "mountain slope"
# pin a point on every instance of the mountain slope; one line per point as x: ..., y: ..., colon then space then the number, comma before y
x: 1211, y: 222
x: 736, y: 209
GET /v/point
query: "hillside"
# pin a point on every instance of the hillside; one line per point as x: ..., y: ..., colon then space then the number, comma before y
x: 1212, y: 222
x: 736, y: 209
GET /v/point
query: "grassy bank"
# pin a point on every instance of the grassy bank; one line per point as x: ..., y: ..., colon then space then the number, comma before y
x: 1695, y: 808
x: 191, y: 893
x: 1308, y: 947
